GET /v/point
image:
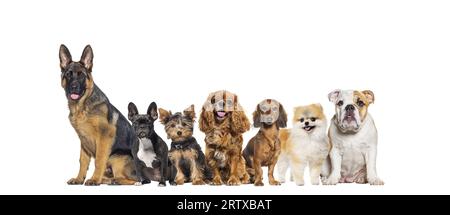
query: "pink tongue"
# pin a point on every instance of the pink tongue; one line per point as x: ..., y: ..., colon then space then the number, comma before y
x: 221, y: 114
x: 74, y: 96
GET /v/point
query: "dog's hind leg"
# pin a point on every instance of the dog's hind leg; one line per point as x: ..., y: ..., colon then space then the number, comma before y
x: 101, y: 160
x: 122, y: 167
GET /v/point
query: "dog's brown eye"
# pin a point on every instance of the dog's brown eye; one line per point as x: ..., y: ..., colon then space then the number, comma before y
x: 340, y: 103
x: 361, y: 103
x: 313, y: 119
x: 173, y: 125
x: 183, y: 124
x: 302, y: 119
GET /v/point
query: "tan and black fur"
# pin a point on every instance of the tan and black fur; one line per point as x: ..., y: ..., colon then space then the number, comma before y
x: 264, y: 148
x: 104, y: 132
x: 185, y: 153
x: 223, y: 121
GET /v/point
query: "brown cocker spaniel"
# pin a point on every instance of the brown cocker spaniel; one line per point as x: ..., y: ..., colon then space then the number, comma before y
x: 223, y: 121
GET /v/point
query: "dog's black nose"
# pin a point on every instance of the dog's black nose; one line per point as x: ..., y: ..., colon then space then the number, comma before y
x: 306, y: 123
x: 349, y: 108
x: 179, y: 133
x: 74, y: 86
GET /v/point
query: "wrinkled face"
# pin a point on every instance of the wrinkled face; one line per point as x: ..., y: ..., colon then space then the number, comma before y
x: 269, y: 111
x: 179, y: 127
x: 142, y: 125
x: 309, y: 118
x: 351, y: 108
x: 223, y: 104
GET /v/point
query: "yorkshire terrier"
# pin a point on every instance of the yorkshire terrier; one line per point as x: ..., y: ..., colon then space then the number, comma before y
x: 185, y: 153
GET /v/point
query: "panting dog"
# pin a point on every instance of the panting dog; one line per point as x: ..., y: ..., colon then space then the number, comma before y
x: 223, y: 121
x: 306, y: 144
x: 104, y: 132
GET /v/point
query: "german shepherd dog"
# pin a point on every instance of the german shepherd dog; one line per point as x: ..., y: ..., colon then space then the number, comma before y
x: 105, y: 134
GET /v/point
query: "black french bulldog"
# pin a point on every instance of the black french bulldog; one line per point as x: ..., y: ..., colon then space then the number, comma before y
x: 150, y: 152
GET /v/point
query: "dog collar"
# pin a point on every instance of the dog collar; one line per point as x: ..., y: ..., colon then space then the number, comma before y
x: 181, y: 144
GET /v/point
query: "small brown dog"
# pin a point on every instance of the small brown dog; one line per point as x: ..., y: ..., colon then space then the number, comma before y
x: 264, y: 148
x: 223, y: 121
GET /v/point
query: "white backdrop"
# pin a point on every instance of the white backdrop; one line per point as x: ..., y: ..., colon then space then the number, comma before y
x: 176, y: 52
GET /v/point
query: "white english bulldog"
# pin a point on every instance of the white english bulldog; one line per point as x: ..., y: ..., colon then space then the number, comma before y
x: 353, y: 137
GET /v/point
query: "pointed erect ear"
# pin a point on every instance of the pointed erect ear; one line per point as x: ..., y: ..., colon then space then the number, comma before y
x: 64, y: 56
x: 334, y: 95
x: 163, y: 115
x: 369, y: 95
x: 87, y: 57
x: 132, y: 110
x: 319, y: 106
x: 190, y: 112
x: 153, y: 111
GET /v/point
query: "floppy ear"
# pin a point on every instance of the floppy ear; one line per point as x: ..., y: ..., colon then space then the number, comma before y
x: 334, y: 95
x: 64, y: 56
x: 206, y: 120
x: 369, y: 95
x: 163, y: 115
x: 190, y: 112
x: 239, y: 121
x: 257, y: 117
x: 153, y: 111
x: 87, y: 58
x: 132, y: 110
x: 282, y: 118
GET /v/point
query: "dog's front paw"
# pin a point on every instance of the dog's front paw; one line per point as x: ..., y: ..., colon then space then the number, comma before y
x: 233, y: 181
x: 198, y: 182
x: 315, y: 181
x: 162, y: 184
x: 331, y: 181
x: 173, y: 183
x: 245, y: 179
x: 92, y: 182
x: 259, y: 183
x: 274, y: 182
x: 75, y: 181
x: 138, y: 183
x: 375, y: 181
x: 217, y: 181
x: 299, y: 183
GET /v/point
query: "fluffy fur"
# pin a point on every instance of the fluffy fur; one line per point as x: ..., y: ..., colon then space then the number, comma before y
x: 223, y: 121
x: 264, y: 148
x: 185, y: 153
x: 305, y: 144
